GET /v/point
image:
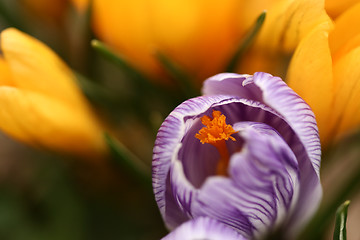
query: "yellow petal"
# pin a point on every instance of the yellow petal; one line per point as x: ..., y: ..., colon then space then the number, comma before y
x: 198, y: 35
x: 250, y: 10
x: 289, y: 21
x: 37, y: 68
x: 345, y: 30
x: 39, y: 100
x: 351, y: 44
x: 48, y: 122
x: 336, y: 7
x: 310, y: 75
x: 346, y: 111
x: 202, y: 41
x: 5, y: 74
x: 125, y: 26
x: 8, y: 123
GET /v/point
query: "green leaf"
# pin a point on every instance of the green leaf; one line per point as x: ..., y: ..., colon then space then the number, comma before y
x: 115, y: 104
x: 185, y: 82
x: 245, y: 43
x: 145, y: 89
x: 340, y: 221
x: 125, y: 159
x: 132, y: 73
x: 95, y: 92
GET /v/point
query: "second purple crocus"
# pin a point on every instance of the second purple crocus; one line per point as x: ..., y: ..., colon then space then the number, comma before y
x: 246, y: 153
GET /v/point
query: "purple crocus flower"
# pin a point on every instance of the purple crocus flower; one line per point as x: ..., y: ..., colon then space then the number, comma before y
x: 246, y: 153
x: 203, y: 228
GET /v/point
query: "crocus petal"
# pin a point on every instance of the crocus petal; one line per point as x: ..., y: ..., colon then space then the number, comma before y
x: 295, y: 111
x: 5, y: 74
x: 36, y: 68
x: 336, y: 7
x: 180, y: 123
x: 273, y: 92
x: 189, y: 44
x: 235, y: 85
x: 47, y: 122
x: 262, y: 187
x: 346, y: 114
x: 289, y: 21
x: 168, y: 139
x: 313, y: 58
x: 343, y: 31
x: 203, y: 228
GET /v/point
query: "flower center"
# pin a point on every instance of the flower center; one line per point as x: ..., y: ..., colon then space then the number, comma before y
x: 217, y: 132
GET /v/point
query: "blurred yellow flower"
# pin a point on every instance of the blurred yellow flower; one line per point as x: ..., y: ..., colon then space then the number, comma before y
x: 200, y: 35
x: 39, y: 100
x: 325, y: 72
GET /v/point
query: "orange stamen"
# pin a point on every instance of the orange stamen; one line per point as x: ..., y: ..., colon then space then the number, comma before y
x: 216, y: 132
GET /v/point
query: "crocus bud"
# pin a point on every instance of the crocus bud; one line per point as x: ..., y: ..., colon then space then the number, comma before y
x: 40, y: 102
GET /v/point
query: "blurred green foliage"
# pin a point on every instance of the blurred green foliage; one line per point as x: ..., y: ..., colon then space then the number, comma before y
x: 54, y: 203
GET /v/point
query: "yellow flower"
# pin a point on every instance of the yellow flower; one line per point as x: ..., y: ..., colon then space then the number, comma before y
x: 287, y: 22
x: 40, y: 103
x: 200, y: 35
x: 325, y: 72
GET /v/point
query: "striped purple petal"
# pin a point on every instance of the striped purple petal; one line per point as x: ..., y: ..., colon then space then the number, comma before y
x: 262, y: 186
x: 273, y: 180
x: 167, y: 143
x: 203, y: 228
x: 273, y: 92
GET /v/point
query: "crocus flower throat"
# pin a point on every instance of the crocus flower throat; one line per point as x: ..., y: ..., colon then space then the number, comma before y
x: 216, y: 132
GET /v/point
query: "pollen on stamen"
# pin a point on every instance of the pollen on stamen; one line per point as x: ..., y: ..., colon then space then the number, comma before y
x: 215, y: 129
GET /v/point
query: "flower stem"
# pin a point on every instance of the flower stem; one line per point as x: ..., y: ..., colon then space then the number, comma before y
x: 182, y: 79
